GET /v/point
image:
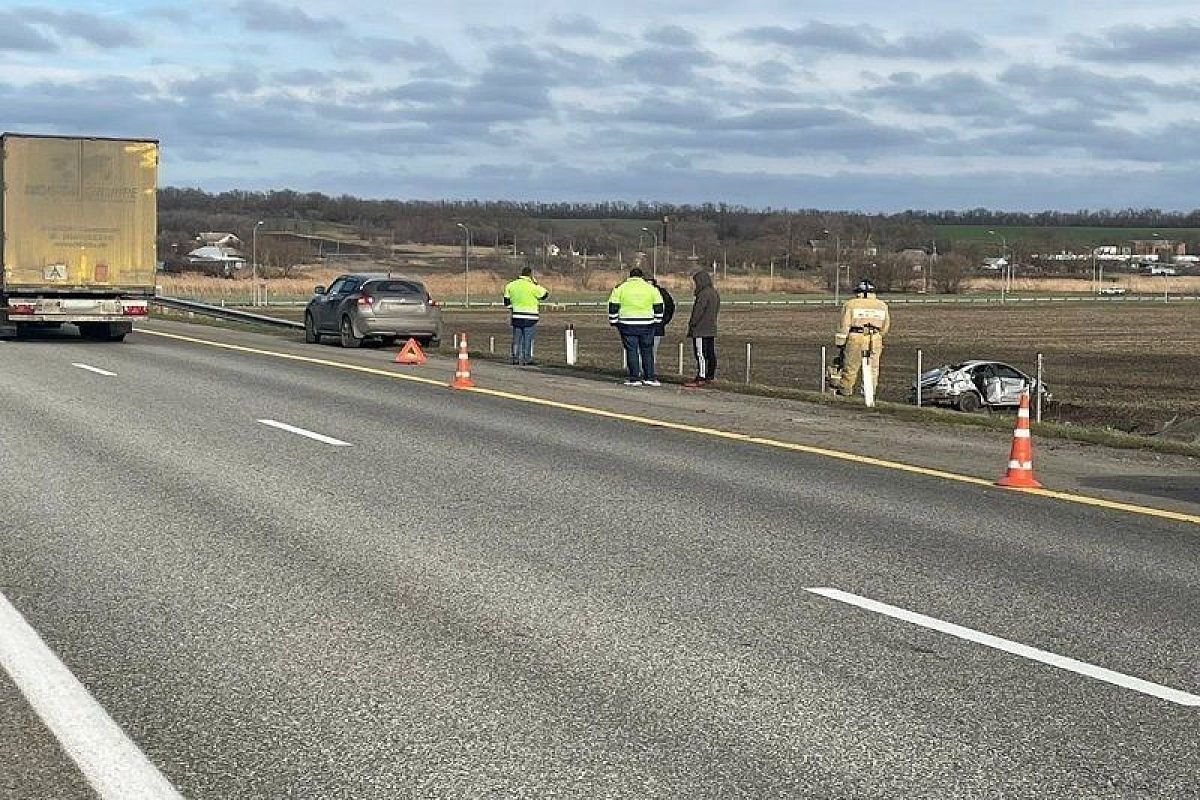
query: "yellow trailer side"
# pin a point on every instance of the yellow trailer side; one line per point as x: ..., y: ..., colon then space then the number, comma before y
x: 79, y: 215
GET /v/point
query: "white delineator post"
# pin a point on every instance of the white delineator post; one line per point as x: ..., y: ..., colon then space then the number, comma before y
x: 681, y: 359
x: 571, y: 352
x: 492, y: 345
x: 868, y: 374
x: 920, y: 372
x: 747, y: 362
x: 824, y: 370
x: 1040, y: 391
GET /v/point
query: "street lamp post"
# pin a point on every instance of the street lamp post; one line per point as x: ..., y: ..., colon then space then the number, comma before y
x: 466, y: 268
x: 837, y: 267
x: 254, y: 251
x: 654, y: 257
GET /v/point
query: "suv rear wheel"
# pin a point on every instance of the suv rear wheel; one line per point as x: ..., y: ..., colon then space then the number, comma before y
x: 348, y: 337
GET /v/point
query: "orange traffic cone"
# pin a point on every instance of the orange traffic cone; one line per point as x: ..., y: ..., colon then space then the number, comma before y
x: 411, y: 353
x: 1020, y: 460
x: 462, y: 374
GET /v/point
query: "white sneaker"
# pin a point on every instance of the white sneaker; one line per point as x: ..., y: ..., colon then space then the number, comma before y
x: 652, y: 383
x: 632, y: 383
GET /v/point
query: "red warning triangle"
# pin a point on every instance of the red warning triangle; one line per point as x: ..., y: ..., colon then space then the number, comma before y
x: 410, y: 353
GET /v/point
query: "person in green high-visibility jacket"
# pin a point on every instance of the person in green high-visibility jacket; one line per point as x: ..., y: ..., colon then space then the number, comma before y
x: 635, y: 308
x: 523, y: 297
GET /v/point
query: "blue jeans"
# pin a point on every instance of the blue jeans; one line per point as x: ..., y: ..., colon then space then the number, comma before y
x: 522, y: 343
x: 639, y: 350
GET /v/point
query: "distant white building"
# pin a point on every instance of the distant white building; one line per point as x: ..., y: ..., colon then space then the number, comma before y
x: 217, y: 260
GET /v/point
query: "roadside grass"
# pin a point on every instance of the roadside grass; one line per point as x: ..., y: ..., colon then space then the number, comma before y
x: 1120, y: 416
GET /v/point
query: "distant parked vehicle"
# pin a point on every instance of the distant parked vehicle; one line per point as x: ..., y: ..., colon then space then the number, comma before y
x: 972, y: 385
x: 373, y: 306
x: 1112, y: 290
x: 1157, y: 270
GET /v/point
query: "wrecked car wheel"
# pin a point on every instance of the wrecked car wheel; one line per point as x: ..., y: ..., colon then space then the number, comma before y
x: 969, y: 402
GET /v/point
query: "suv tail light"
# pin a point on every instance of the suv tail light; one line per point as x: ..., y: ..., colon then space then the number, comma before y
x: 366, y: 300
x: 431, y: 302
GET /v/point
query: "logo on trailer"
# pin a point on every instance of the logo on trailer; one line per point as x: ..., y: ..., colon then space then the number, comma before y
x: 55, y: 272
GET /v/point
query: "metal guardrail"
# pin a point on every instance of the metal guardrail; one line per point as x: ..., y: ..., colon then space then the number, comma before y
x: 220, y: 312
x: 245, y: 316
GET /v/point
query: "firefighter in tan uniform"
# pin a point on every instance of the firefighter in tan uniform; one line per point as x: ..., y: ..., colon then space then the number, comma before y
x: 865, y: 321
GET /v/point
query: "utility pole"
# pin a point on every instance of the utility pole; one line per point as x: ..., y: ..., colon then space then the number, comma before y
x: 467, y: 268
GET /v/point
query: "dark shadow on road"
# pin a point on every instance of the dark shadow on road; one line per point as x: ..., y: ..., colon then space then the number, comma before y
x: 1185, y: 488
x: 66, y: 332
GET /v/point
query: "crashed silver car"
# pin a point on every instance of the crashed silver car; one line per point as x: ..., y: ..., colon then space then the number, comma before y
x: 972, y: 385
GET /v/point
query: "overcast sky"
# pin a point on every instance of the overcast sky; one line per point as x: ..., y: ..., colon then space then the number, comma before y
x: 850, y: 105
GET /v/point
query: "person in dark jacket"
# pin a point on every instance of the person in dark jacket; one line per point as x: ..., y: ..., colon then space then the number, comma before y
x: 660, y: 330
x: 702, y: 329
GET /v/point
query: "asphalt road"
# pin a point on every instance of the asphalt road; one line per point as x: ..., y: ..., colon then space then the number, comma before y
x: 484, y: 598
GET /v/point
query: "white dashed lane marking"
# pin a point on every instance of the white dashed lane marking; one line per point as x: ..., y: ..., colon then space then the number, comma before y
x: 1008, y: 646
x: 320, y: 437
x: 108, y: 759
x: 96, y: 370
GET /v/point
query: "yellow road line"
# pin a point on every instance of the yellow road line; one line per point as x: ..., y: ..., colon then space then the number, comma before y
x: 1080, y: 499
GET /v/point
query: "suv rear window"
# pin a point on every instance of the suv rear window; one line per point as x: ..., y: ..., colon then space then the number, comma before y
x: 397, y: 287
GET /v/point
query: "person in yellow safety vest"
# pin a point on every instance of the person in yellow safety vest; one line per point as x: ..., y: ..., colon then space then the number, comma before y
x: 523, y: 296
x: 635, y: 308
x: 865, y: 321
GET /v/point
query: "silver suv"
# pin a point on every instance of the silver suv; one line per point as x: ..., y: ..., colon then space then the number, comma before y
x: 374, y: 306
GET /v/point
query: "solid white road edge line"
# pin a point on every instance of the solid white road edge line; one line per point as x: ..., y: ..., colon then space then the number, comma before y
x: 302, y: 432
x: 96, y: 370
x: 1033, y: 653
x: 108, y: 759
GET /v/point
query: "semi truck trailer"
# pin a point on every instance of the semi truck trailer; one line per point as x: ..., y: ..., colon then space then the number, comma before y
x: 78, y: 222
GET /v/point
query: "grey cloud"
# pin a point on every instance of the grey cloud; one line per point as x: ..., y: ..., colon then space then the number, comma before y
x: 419, y: 51
x: 777, y: 132
x: 673, y: 67
x: 206, y: 121
x: 654, y: 111
x: 1166, y: 145
x: 271, y: 17
x: 867, y: 40
x: 956, y: 94
x: 1140, y: 44
x: 671, y: 36
x: 59, y: 107
x: 660, y: 179
x: 496, y: 33
x: 580, y: 26
x: 772, y: 71
x: 513, y: 89
x: 315, y: 78
x: 90, y: 28
x: 207, y: 85
x: 1093, y: 91
x: 16, y: 34
x: 422, y: 91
